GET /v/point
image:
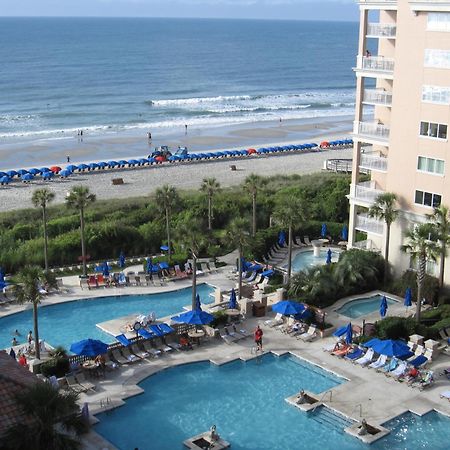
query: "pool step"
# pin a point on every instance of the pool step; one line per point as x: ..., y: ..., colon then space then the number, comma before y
x: 330, y: 418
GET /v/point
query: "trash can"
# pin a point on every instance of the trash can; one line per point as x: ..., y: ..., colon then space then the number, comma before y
x: 259, y: 309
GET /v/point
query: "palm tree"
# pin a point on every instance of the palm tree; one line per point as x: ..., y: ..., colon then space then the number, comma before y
x: 422, y: 248
x: 54, y: 422
x: 253, y: 184
x: 190, y: 236
x: 30, y: 281
x: 237, y: 234
x: 441, y: 222
x: 210, y: 186
x: 80, y: 198
x: 166, y: 199
x: 41, y: 198
x: 384, y: 209
x: 289, y: 213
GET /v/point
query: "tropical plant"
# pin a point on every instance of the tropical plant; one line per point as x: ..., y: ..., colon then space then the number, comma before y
x: 190, y: 236
x: 80, y: 198
x: 237, y: 233
x: 441, y: 222
x: 210, y: 186
x: 253, y: 184
x: 422, y: 247
x: 166, y: 199
x: 314, y: 283
x: 54, y: 420
x: 290, y: 213
x: 40, y: 199
x: 29, y: 289
x: 384, y: 209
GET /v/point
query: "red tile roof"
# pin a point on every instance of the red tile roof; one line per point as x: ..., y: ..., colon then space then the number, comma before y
x: 13, y: 379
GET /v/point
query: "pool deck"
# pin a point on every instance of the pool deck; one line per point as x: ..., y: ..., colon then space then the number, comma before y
x: 367, y: 394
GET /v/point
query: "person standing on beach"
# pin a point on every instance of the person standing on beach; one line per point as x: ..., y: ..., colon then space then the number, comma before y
x: 185, y: 129
x: 68, y: 158
x: 258, y: 338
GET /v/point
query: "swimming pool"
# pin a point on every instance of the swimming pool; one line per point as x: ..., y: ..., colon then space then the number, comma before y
x: 362, y: 306
x: 246, y: 402
x: 306, y: 259
x: 65, y: 323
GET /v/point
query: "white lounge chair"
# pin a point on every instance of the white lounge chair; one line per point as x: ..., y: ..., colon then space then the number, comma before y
x: 128, y: 355
x: 366, y: 359
x: 81, y: 379
x: 399, y: 371
x: 445, y: 394
x: 380, y: 362
x: 309, y: 335
x: 242, y: 331
x: 227, y: 337
x: 234, y: 334
x: 74, y: 385
x: 277, y: 320
x: 138, y: 352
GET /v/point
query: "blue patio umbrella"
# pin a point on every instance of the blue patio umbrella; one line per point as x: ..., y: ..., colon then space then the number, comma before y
x: 65, y: 173
x: 349, y: 334
x: 5, y: 180
x: 12, y: 173
x: 121, y: 260
x: 198, y: 303
x: 105, y: 269
x: 344, y: 233
x: 47, y: 175
x: 329, y: 254
x: 267, y: 273
x: 195, y: 317
x: 408, y: 297
x: 323, y: 230
x: 149, y: 265
x: 232, y: 304
x: 89, y: 347
x: 383, y: 306
x: 391, y: 347
x: 27, y: 177
x: 34, y: 171
x: 340, y: 331
x: 371, y: 342
x: 22, y: 171
x: 164, y: 248
x: 281, y: 238
x: 306, y: 314
x: 3, y: 283
x: 288, y: 307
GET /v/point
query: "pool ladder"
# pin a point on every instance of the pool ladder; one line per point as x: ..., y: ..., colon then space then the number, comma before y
x: 322, y: 398
x: 105, y: 402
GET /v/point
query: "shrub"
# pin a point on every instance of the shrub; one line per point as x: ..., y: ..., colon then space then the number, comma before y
x: 395, y: 327
x: 430, y: 290
x: 220, y: 318
x: 56, y: 366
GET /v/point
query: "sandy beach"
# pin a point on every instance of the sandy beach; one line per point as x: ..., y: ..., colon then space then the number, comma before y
x: 142, y: 181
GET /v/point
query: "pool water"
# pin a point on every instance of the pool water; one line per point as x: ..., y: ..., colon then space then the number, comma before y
x: 245, y: 400
x: 306, y: 259
x: 362, y: 306
x: 65, y: 323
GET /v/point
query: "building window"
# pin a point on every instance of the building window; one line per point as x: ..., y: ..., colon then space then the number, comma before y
x: 434, y: 130
x: 437, y: 58
x: 438, y: 21
x: 436, y: 94
x: 430, y: 165
x: 427, y: 199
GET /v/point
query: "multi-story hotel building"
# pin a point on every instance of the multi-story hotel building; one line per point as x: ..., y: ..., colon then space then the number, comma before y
x: 401, y: 118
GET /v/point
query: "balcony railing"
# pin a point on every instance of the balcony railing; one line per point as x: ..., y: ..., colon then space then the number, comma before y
x: 366, y: 192
x: 373, y: 162
x: 372, y: 130
x: 367, y: 244
x: 369, y: 224
x: 378, y: 4
x: 377, y: 97
x: 376, y: 63
x: 386, y: 30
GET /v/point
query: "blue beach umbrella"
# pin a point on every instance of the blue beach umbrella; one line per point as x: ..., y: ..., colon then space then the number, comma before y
x: 105, y: 269
x: 408, y: 298
x: 232, y: 304
x: 83, y: 166
x: 149, y: 265
x: 102, y: 164
x: 93, y: 166
x: 89, y: 347
x: 34, y: 171
x: 113, y: 163
x: 44, y: 169
x: 340, y: 331
x: 329, y: 255
x: 47, y: 175
x: 121, y: 260
x: 164, y: 248
x: 391, y: 347
x: 383, y: 306
x: 12, y: 173
x: 349, y: 334
x: 27, y: 177
x: 288, y: 307
x: 5, y: 180
x: 22, y: 172
x: 281, y: 238
x: 323, y: 231
x: 3, y: 283
x: 65, y: 173
x: 371, y: 342
x: 71, y: 167
x: 344, y: 233
x: 195, y: 317
x: 198, y: 303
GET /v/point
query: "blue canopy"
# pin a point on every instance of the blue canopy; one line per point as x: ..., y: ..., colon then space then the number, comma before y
x: 340, y: 331
x: 102, y: 164
x: 163, y: 265
x: 198, y: 303
x: 164, y: 248
x: 232, y: 304
x: 145, y: 333
x: 44, y: 169
x: 112, y: 163
x: 281, y: 238
x: 71, y: 167
x: 3, y: 283
x: 288, y: 307
x: 194, y: 318
x: 133, y: 162
x: 408, y: 297
x: 22, y: 171
x: 27, y: 177
x: 123, y: 340
x: 105, y: 269
x: 344, y: 233
x: 329, y: 255
x: 391, y: 347
x: 93, y: 166
x: 65, y: 173
x: 267, y: 273
x: 121, y: 260
x: 34, y: 171
x: 89, y: 347
x: 122, y: 162
x: 156, y: 330
x: 12, y: 173
x: 349, y: 334
x: 166, y: 329
x: 83, y: 166
x: 5, y: 180
x: 371, y: 342
x: 306, y: 314
x: 323, y: 230
x: 383, y: 306
x: 47, y: 175
x: 143, y: 161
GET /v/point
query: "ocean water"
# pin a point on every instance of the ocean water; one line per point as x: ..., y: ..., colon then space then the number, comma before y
x: 113, y: 75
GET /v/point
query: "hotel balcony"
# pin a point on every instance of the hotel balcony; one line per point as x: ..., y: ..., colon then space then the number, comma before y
x: 429, y: 5
x: 365, y: 193
x: 369, y: 224
x: 377, y: 97
x: 375, y: 67
x: 373, y: 162
x: 381, y: 30
x: 371, y: 132
x: 378, y: 4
